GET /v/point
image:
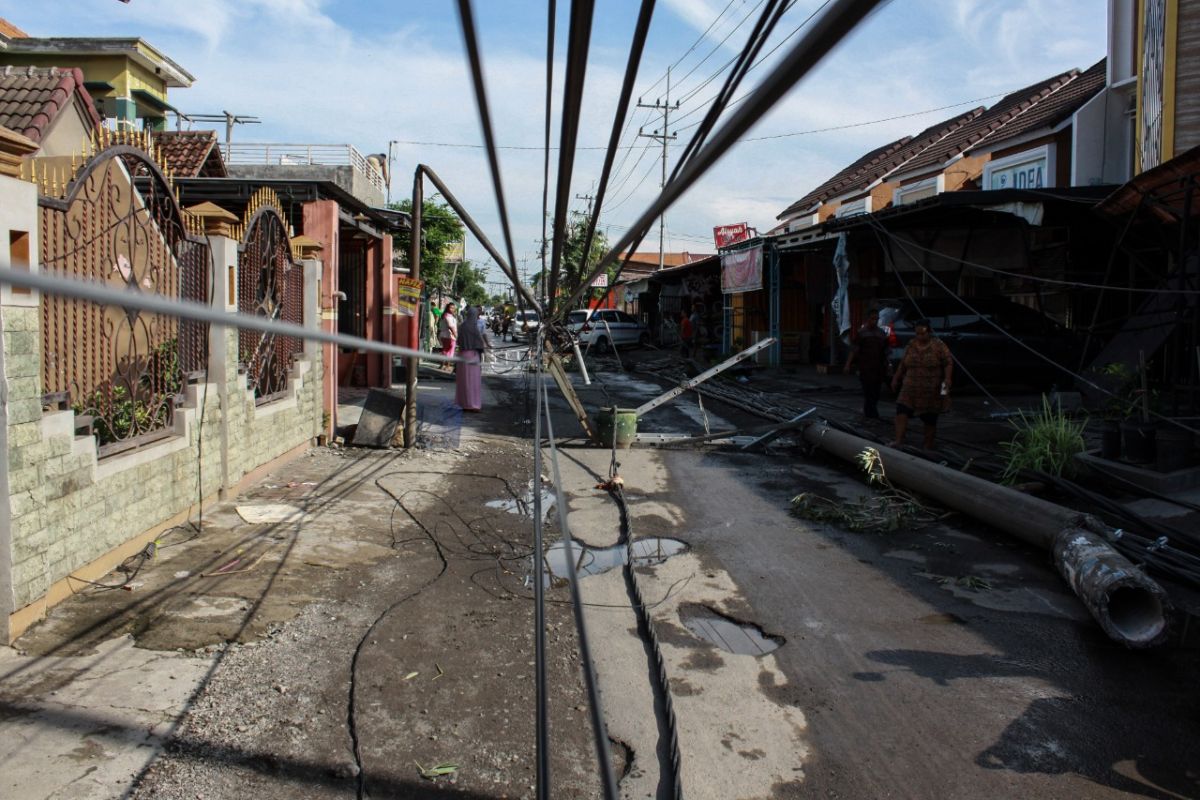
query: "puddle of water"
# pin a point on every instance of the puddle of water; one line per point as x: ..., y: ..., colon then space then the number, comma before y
x: 906, y: 555
x: 739, y: 638
x: 524, y: 505
x: 595, y: 560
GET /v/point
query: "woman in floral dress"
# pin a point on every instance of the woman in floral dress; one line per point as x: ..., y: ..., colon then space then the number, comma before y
x: 922, y: 383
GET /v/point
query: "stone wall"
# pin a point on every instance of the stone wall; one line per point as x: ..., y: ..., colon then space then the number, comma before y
x: 66, y: 514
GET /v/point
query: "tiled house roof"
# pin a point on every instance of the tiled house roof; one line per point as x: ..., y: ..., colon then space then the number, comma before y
x: 1001, y: 113
x: 32, y: 98
x: 917, y: 145
x: 192, y: 154
x: 11, y: 31
x: 1053, y: 110
x: 832, y: 187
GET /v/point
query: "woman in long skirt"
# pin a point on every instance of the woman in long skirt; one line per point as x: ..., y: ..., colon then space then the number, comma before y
x: 468, y: 377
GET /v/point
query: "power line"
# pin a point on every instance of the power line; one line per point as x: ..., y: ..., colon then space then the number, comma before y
x: 823, y: 36
x: 809, y: 132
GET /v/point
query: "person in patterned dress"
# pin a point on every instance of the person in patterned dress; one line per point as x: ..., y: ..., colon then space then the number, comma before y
x: 922, y: 383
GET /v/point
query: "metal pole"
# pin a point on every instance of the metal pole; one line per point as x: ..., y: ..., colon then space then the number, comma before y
x: 662, y: 218
x: 414, y: 267
x: 1130, y: 607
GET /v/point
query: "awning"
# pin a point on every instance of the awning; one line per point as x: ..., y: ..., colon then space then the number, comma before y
x: 1166, y: 191
x: 147, y: 99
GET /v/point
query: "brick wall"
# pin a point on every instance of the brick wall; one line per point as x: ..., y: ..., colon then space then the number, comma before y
x: 65, y: 511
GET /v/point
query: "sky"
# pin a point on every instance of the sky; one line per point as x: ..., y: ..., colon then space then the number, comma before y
x: 392, y: 75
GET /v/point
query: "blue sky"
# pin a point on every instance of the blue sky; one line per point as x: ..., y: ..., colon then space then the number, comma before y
x: 370, y: 71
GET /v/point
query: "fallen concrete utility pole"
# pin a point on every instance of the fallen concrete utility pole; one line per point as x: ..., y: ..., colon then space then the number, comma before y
x: 1130, y: 607
x: 671, y: 394
x: 745, y: 437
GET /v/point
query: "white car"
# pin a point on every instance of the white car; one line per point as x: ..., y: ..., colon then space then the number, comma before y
x: 606, y: 327
x: 525, y: 324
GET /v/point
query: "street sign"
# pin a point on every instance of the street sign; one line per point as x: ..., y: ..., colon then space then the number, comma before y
x: 601, y: 281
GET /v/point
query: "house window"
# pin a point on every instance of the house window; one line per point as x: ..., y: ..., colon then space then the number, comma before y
x: 915, y: 191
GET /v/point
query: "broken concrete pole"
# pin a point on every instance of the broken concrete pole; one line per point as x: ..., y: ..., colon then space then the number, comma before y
x: 1130, y: 607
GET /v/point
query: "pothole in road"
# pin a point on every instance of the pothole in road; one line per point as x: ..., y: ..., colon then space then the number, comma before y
x: 732, y: 636
x: 595, y: 560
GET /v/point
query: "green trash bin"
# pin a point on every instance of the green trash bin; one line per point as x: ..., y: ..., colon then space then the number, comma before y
x: 626, y: 425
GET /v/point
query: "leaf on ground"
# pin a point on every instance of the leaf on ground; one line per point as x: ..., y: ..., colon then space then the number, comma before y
x: 437, y: 770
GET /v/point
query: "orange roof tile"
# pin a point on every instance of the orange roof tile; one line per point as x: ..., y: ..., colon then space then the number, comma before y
x: 192, y: 154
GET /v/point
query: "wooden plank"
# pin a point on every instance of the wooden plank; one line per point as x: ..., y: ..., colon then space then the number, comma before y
x: 559, y: 373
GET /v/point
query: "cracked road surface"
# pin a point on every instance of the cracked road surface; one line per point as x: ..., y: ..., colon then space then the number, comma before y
x: 388, y: 628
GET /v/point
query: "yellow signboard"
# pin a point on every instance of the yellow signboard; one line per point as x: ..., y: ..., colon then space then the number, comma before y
x: 408, y: 295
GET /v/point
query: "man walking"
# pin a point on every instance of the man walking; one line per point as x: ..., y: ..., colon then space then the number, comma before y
x: 870, y: 350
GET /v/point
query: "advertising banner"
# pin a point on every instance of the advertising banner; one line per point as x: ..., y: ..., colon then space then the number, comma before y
x: 725, y: 235
x: 408, y: 295
x: 741, y: 271
x: 600, y: 281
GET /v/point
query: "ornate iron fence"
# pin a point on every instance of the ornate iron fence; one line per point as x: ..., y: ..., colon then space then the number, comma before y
x: 111, y: 217
x: 269, y: 285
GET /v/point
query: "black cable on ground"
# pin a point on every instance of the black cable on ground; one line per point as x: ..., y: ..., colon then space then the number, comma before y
x: 662, y: 686
x: 426, y: 534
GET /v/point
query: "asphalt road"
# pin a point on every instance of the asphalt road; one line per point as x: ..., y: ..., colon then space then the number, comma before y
x: 944, y: 661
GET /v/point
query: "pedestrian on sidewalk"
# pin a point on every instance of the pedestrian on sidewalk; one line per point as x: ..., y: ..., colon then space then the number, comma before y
x: 687, y: 335
x: 448, y: 329
x: 699, y: 332
x: 468, y: 377
x: 870, y: 349
x: 922, y: 383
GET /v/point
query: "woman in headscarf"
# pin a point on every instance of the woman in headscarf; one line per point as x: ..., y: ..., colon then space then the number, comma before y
x: 468, y: 377
x: 923, y: 383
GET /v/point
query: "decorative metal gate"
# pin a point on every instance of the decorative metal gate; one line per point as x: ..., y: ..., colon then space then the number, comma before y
x: 110, y: 216
x: 269, y: 285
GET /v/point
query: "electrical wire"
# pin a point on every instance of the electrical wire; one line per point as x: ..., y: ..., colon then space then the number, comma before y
x: 827, y: 31
x: 1040, y: 279
x: 467, y: 23
x: 599, y: 734
x: 580, y: 32
x: 57, y: 283
x: 957, y: 362
x: 1065, y: 370
x: 636, y: 47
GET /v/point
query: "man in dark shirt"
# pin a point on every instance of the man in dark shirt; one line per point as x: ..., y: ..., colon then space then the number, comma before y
x: 870, y: 350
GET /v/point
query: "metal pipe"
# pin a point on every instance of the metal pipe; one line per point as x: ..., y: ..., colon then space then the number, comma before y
x: 1130, y: 607
x: 412, y: 365
x: 482, y: 238
x: 579, y: 360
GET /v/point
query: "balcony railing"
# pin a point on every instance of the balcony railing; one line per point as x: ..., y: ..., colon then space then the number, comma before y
x: 326, y: 155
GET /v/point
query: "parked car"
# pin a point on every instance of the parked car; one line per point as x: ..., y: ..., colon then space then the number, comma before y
x: 595, y: 327
x: 988, y: 344
x: 525, y: 324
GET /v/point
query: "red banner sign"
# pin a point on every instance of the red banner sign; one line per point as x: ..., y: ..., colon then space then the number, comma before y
x: 726, y: 235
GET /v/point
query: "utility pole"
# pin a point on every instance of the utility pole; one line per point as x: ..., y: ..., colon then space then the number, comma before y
x: 589, y: 199
x: 665, y: 136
